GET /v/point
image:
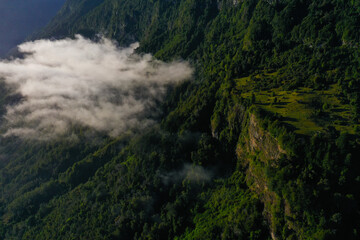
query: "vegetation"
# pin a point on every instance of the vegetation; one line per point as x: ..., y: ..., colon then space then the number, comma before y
x: 261, y: 144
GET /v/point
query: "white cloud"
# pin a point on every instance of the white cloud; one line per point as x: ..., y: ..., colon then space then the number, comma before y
x: 79, y: 82
x: 192, y: 173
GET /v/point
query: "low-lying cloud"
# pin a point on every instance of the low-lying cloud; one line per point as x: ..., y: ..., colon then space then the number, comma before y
x: 192, y: 173
x: 70, y: 82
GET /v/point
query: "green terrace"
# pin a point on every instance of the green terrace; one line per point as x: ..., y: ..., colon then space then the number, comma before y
x: 306, y: 109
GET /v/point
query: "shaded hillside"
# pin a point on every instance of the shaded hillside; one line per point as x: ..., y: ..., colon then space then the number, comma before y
x: 261, y: 144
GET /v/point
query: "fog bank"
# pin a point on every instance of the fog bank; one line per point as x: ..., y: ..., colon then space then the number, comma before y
x: 80, y: 82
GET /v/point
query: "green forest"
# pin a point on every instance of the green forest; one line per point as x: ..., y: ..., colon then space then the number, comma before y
x: 262, y: 143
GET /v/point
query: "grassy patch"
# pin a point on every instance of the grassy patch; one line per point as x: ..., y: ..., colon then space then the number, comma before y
x: 307, y: 110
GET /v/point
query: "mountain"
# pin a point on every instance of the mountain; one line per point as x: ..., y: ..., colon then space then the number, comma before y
x: 19, y: 18
x: 262, y: 143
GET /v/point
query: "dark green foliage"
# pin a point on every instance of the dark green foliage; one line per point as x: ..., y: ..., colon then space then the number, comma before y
x: 195, y: 176
x: 230, y: 213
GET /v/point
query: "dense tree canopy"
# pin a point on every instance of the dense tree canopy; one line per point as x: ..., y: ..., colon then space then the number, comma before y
x: 262, y: 143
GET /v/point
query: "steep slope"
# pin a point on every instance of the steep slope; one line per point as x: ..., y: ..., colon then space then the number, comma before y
x: 261, y: 144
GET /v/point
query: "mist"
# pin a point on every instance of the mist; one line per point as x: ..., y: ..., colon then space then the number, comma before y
x: 192, y: 173
x: 78, y: 82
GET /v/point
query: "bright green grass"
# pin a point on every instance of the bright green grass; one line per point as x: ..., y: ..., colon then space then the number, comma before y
x: 294, y: 107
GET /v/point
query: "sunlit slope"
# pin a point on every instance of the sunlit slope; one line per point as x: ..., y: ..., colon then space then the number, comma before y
x: 306, y: 110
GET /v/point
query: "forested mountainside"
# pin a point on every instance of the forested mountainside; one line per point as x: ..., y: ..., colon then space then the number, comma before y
x: 19, y: 18
x: 262, y: 143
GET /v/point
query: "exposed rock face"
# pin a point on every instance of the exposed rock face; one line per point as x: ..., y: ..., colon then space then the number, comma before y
x: 259, y: 150
x: 262, y: 141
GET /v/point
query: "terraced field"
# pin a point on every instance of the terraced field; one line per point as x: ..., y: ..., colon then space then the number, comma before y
x: 307, y: 110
